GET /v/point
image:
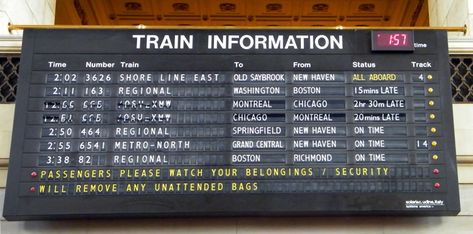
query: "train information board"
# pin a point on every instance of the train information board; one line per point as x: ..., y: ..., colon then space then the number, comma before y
x: 206, y: 122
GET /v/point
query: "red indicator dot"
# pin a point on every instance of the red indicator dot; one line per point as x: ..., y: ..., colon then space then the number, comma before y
x: 34, y: 174
x: 436, y: 171
x: 437, y: 185
x: 32, y: 189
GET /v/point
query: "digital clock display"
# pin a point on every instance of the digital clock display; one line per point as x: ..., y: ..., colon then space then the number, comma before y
x: 392, y: 41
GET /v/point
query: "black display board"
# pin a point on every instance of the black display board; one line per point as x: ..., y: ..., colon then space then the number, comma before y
x: 133, y: 123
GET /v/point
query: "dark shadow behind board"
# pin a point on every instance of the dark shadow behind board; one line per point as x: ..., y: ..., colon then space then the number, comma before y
x: 411, y: 169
